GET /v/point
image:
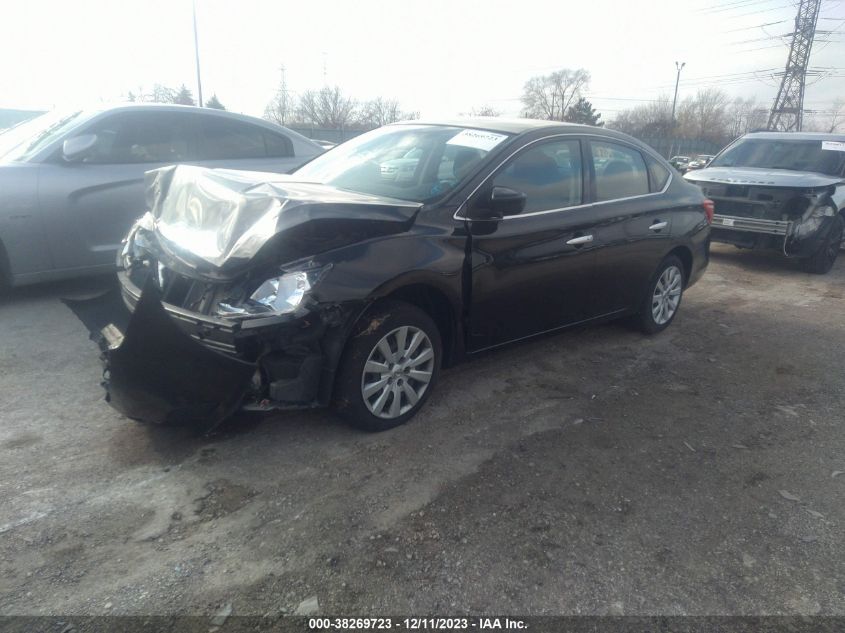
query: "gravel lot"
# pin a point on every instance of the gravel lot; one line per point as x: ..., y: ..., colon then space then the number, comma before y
x: 593, y: 472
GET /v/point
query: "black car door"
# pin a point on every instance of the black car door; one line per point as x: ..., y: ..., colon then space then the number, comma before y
x: 532, y: 272
x: 633, y: 222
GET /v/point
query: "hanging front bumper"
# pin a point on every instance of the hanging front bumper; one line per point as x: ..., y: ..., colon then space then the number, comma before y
x: 154, y: 371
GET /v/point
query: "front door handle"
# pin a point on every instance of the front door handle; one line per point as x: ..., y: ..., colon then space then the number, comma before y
x: 658, y: 225
x: 578, y: 241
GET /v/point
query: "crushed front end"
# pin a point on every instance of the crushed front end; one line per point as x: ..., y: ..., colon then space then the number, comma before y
x: 791, y: 219
x: 224, y: 305
x: 287, y: 349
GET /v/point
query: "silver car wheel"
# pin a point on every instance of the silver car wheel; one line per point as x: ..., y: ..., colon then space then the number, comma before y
x: 667, y: 295
x: 397, y: 372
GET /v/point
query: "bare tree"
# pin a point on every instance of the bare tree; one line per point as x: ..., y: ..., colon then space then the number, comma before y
x: 743, y: 116
x: 381, y: 111
x: 327, y: 107
x: 704, y: 116
x: 550, y: 96
x: 485, y: 110
x: 159, y: 94
x: 652, y: 119
x: 837, y: 116
x: 281, y: 107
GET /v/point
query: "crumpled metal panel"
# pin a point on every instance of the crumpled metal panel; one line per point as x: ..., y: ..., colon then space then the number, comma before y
x: 215, y: 217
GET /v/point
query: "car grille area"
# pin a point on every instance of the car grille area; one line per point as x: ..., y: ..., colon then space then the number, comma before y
x: 190, y: 302
x: 185, y: 292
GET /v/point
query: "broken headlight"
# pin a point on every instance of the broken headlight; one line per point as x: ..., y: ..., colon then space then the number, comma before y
x: 282, y: 294
x: 277, y: 295
x: 812, y: 220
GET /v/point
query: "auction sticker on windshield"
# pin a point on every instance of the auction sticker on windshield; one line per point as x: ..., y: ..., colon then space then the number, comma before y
x: 477, y: 139
x: 833, y: 146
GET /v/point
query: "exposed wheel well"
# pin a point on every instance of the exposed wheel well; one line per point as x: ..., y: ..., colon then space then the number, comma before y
x: 434, y: 303
x: 684, y: 254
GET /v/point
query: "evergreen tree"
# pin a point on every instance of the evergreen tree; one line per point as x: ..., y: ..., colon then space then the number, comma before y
x: 214, y: 102
x: 184, y: 96
x: 583, y: 112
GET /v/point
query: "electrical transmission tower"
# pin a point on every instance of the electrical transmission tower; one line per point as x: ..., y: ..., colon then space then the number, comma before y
x: 787, y: 110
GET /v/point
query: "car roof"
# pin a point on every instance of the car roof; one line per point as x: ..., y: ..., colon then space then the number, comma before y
x: 174, y: 107
x: 502, y: 125
x: 796, y: 136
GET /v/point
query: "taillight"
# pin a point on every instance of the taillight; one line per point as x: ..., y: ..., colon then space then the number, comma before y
x: 709, y: 209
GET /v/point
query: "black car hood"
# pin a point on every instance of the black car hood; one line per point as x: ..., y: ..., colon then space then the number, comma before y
x: 221, y: 221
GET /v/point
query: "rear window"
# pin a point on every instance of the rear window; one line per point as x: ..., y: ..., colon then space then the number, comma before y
x: 657, y: 174
x: 222, y: 139
x: 620, y: 171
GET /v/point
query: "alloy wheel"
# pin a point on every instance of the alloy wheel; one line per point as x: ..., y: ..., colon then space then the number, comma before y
x: 397, y: 372
x: 667, y: 295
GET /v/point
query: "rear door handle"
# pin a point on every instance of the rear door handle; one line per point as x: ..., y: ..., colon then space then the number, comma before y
x: 578, y: 241
x: 658, y: 224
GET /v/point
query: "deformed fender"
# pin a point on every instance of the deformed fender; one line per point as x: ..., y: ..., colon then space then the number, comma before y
x: 155, y: 372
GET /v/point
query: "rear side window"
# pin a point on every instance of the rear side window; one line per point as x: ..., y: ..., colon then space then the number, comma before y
x: 620, y: 171
x: 221, y: 139
x: 657, y: 174
x: 548, y: 174
x: 142, y: 137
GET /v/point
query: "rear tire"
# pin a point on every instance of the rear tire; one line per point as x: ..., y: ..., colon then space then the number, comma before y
x: 389, y: 367
x: 822, y: 261
x: 663, y: 296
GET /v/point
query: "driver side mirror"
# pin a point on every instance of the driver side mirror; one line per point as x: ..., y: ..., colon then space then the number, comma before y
x: 501, y: 201
x: 79, y: 147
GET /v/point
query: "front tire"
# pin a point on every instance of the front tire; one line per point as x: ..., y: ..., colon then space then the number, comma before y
x: 822, y: 261
x: 663, y: 296
x: 389, y: 367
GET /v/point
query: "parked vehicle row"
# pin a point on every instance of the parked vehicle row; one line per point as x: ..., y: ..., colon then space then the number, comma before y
x: 356, y: 278
x: 349, y: 283
x: 684, y: 163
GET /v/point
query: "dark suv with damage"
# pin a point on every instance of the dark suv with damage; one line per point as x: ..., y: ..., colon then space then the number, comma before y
x: 781, y: 191
x: 338, y: 284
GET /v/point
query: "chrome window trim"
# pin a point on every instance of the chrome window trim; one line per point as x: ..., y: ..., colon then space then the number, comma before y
x: 609, y: 139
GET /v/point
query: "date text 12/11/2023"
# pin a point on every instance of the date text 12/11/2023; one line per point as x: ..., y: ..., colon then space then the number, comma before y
x: 416, y: 624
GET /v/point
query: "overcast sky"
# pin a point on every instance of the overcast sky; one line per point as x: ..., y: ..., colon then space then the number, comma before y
x: 441, y: 57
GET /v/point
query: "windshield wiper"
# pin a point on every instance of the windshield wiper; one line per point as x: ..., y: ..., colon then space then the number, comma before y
x: 45, y: 133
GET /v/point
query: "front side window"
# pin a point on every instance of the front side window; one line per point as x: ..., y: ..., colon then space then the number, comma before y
x: 419, y: 163
x: 620, y: 171
x: 549, y: 174
x: 142, y: 137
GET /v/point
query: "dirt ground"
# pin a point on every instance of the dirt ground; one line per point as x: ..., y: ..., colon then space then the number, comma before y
x: 593, y: 472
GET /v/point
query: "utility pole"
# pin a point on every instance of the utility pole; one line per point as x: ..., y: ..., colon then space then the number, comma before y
x: 283, y: 110
x: 788, y: 109
x: 677, y: 81
x: 197, y: 55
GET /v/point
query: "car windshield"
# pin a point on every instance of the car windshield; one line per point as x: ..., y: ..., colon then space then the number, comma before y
x: 783, y: 154
x: 420, y: 163
x: 25, y: 139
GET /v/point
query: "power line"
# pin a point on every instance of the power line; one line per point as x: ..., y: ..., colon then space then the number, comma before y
x: 756, y: 26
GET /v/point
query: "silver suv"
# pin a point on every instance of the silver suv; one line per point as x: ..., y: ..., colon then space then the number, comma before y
x: 780, y: 190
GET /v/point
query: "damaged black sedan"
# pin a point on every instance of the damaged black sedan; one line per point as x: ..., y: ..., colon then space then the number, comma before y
x: 355, y: 280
